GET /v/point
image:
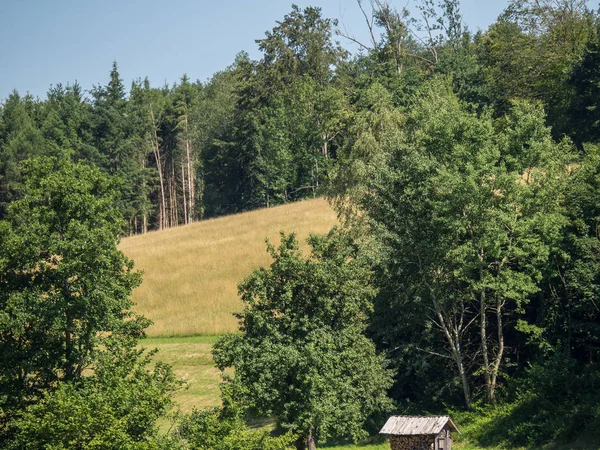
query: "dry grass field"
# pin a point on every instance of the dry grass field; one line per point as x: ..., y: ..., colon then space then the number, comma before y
x: 191, y: 272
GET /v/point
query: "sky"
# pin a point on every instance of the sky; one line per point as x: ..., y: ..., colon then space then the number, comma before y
x: 62, y: 41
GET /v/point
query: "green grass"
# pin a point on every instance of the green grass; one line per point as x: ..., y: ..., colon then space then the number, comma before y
x: 192, y: 362
x: 382, y: 446
x: 386, y: 446
x: 457, y: 445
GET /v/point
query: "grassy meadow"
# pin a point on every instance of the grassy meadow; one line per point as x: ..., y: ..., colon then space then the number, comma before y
x: 192, y: 362
x: 191, y: 272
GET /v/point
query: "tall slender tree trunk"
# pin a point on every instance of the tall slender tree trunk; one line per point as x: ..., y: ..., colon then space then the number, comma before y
x: 307, y: 442
x: 453, y: 330
x: 267, y: 199
x: 172, y: 198
x: 162, y: 205
x: 490, y: 369
x: 185, y: 214
x: 156, y: 150
x: 169, y: 199
x: 191, y: 177
x: 169, y: 193
x: 310, y: 441
x: 68, y: 349
x: 200, y: 195
x: 484, y: 346
x: 499, y: 354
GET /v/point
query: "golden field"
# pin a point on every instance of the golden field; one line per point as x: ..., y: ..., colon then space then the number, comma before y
x: 191, y: 272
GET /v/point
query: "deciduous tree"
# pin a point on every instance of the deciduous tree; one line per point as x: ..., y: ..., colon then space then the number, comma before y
x: 302, y: 355
x: 64, y: 285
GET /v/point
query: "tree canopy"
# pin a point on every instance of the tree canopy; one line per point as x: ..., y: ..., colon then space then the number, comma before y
x: 67, y: 334
x: 303, y: 356
x: 463, y: 165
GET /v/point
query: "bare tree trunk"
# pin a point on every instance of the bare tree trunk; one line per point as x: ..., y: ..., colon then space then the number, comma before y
x: 169, y: 198
x: 453, y: 331
x: 162, y: 206
x: 490, y: 371
x: 191, y: 177
x: 453, y: 337
x: 185, y: 214
x: 317, y: 173
x: 160, y: 216
x: 499, y: 355
x: 172, y: 198
x: 200, y: 196
x: 310, y: 441
x: 307, y: 442
x: 484, y: 347
x: 156, y: 150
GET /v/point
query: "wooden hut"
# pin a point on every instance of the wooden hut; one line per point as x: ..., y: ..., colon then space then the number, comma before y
x: 419, y: 432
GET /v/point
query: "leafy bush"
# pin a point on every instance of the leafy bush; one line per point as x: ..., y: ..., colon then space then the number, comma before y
x: 115, y: 407
x: 556, y: 401
x: 213, y: 429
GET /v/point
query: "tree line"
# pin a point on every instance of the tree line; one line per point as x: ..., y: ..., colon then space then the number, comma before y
x: 261, y: 133
x: 464, y: 168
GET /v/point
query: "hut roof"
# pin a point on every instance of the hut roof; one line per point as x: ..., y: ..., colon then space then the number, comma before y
x: 417, y: 425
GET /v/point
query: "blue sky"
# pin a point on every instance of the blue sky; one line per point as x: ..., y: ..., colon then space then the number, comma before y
x: 47, y: 42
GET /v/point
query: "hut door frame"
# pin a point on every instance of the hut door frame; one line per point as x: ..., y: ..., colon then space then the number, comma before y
x: 443, y: 441
x: 440, y: 443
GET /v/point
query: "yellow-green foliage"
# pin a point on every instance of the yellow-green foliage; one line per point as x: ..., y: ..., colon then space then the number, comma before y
x: 191, y: 272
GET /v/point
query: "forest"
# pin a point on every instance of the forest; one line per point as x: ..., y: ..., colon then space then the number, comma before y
x: 464, y: 277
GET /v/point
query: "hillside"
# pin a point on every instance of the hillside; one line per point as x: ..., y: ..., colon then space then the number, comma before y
x: 191, y: 272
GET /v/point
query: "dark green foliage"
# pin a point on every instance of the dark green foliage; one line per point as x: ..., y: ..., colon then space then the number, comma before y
x: 574, y: 316
x: 555, y: 401
x: 445, y: 154
x: 303, y: 357
x: 467, y: 220
x: 280, y: 143
x: 21, y: 139
x: 530, y: 51
x: 110, y: 128
x: 583, y: 114
x: 117, y: 406
x: 63, y: 282
x: 210, y: 430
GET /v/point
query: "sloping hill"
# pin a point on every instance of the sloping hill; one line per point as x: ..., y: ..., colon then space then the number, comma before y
x: 191, y: 272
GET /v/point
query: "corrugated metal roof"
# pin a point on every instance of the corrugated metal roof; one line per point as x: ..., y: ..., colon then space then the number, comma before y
x: 417, y: 425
